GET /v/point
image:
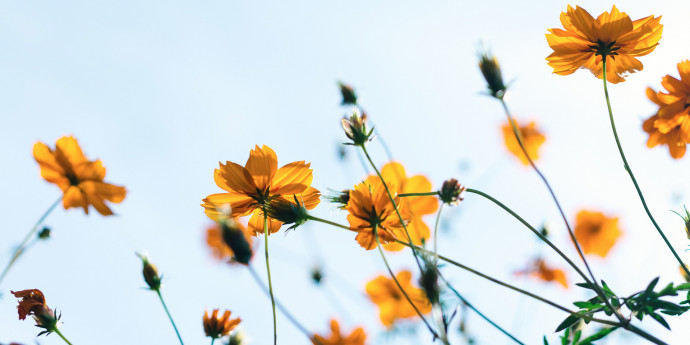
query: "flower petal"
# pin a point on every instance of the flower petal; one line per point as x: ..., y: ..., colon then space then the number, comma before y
x: 293, y: 178
x: 262, y: 165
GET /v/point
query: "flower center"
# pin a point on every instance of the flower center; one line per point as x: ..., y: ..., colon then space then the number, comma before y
x: 604, y: 49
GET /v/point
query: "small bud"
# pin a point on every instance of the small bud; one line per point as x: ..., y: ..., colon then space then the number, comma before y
x: 316, y: 275
x: 451, y: 192
x: 356, y: 128
x: 150, y: 272
x: 428, y: 281
x: 44, y: 234
x: 491, y: 70
x: 288, y: 213
x: 349, y: 96
x: 686, y: 220
x: 340, y: 199
x: 236, y: 238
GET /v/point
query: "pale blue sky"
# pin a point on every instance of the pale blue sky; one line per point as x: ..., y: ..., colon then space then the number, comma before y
x: 162, y: 91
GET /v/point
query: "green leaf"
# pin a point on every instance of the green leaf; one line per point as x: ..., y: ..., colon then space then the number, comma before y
x: 598, y: 335
x: 660, y: 320
x: 545, y: 342
x: 569, y: 321
x: 652, y: 284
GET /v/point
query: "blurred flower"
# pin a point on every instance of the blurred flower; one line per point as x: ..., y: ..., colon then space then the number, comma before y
x: 340, y: 199
x: 596, y: 232
x: 540, y: 270
x: 686, y: 220
x: 452, y: 192
x: 491, y: 71
x: 150, y: 273
x: 671, y: 123
x: 33, y: 302
x: 252, y: 188
x: 369, y: 207
x: 357, y: 337
x: 316, y: 275
x: 238, y: 338
x: 684, y: 274
x: 349, y: 95
x: 216, y: 327
x: 44, y: 234
x: 428, y: 281
x: 586, y: 40
x: 392, y: 304
x: 80, y: 180
x: 531, y: 137
x: 224, y: 234
x: 355, y: 128
x: 417, y: 206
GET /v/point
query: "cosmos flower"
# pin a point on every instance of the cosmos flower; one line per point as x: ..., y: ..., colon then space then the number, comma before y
x: 531, y: 137
x: 80, y: 180
x: 596, y: 232
x: 392, y: 304
x: 219, y: 326
x: 357, y: 337
x: 33, y: 302
x: 540, y: 270
x: 252, y: 188
x: 584, y: 41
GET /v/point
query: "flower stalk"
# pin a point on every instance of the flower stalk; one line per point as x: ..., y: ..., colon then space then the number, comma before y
x: 270, y: 285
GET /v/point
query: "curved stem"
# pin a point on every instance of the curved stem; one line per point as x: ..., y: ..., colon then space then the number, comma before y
x: 383, y: 256
x: 438, y: 219
x: 29, y: 236
x: 395, y: 206
x: 477, y: 311
x: 158, y: 291
x: 270, y: 285
x: 57, y: 331
x: 282, y: 308
x: 632, y: 176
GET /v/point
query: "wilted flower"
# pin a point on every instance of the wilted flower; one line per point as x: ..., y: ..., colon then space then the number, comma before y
x: 150, y: 273
x: 355, y: 128
x: 586, y: 41
x: 491, y: 71
x: 251, y: 189
x: 392, y: 304
x: 80, y: 180
x: 540, y: 270
x: 596, y: 232
x: 452, y: 192
x: 33, y: 302
x: 349, y: 95
x: 216, y: 327
x: 531, y: 137
x: 357, y: 337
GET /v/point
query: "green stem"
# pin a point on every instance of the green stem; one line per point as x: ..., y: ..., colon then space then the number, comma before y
x: 632, y: 176
x: 158, y: 291
x: 438, y: 219
x: 213, y: 340
x: 310, y: 217
x: 395, y: 206
x: 57, y: 331
x: 270, y: 285
x: 403, y: 195
x: 383, y: 256
x: 477, y: 311
x: 29, y: 236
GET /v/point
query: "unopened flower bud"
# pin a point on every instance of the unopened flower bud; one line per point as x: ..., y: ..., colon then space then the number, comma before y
x: 236, y: 238
x: 316, y: 275
x: 491, y: 71
x: 349, y: 95
x: 356, y: 128
x: 451, y: 192
x: 44, y: 234
x: 428, y: 281
x: 150, y: 272
x: 686, y: 220
x: 340, y: 199
x: 288, y: 212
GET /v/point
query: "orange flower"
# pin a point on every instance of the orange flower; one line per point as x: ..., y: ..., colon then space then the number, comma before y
x: 614, y: 35
x: 214, y: 239
x: 81, y: 180
x: 393, y: 305
x: 531, y: 138
x: 253, y: 187
x: 357, y: 337
x: 540, y: 270
x: 34, y: 303
x: 596, y: 232
x: 216, y: 327
x: 417, y: 206
x: 369, y: 207
x: 671, y: 124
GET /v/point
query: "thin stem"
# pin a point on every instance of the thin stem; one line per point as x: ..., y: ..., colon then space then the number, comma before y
x: 213, y: 340
x: 477, y: 311
x: 383, y: 256
x: 632, y: 176
x: 310, y: 217
x: 57, y: 331
x: 438, y: 219
x: 158, y: 291
x: 29, y: 236
x: 403, y: 195
x: 395, y: 206
x: 280, y: 307
x: 270, y: 285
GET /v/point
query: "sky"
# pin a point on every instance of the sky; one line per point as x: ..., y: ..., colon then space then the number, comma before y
x: 162, y: 91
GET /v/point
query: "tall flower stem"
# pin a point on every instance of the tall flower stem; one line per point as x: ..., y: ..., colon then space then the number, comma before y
x: 395, y: 206
x: 270, y: 285
x: 29, y: 236
x: 632, y: 176
x: 158, y: 292
x: 57, y: 331
x: 414, y: 306
x: 438, y: 220
x: 282, y: 308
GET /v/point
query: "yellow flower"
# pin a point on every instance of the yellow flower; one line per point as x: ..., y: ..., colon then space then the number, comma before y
x: 596, y: 232
x: 369, y: 207
x: 416, y: 206
x: 531, y: 137
x: 540, y: 270
x: 80, y: 180
x: 586, y: 40
x: 392, y: 304
x: 671, y: 123
x: 357, y: 337
x: 255, y: 186
x: 216, y: 327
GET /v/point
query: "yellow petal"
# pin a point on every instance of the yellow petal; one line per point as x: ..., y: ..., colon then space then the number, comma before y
x: 293, y: 178
x: 262, y: 165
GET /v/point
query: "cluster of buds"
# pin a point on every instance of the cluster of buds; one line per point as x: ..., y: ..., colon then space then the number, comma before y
x: 33, y: 302
x: 216, y: 327
x: 150, y: 272
x: 491, y: 71
x: 452, y: 192
x: 288, y: 212
x: 355, y: 127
